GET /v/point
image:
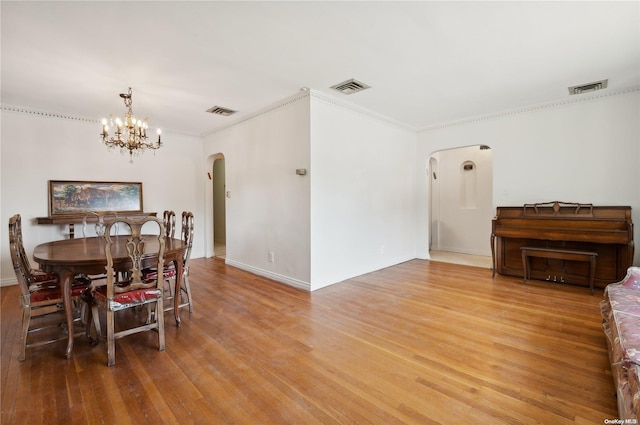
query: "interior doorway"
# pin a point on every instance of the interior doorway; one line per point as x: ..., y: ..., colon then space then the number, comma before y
x: 461, y: 204
x: 434, y: 205
x: 219, y: 207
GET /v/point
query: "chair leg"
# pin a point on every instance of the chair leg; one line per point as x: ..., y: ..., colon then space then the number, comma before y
x: 84, y: 314
x: 26, y: 319
x: 88, y: 318
x: 95, y: 312
x: 168, y: 283
x: 92, y: 318
x: 160, y: 321
x: 185, y: 281
x: 111, y: 342
x: 150, y: 313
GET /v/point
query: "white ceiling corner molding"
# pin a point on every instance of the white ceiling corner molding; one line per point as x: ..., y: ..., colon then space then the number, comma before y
x: 534, y: 108
x: 317, y: 95
x: 324, y: 97
x: 46, y: 114
x: 302, y: 94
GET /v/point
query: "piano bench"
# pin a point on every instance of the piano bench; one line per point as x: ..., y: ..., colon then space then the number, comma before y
x: 559, y: 254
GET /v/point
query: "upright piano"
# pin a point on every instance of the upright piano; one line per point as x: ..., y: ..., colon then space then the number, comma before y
x: 607, y: 231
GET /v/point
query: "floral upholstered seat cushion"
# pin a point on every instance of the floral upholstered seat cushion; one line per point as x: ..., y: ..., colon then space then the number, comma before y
x: 124, y: 299
x: 46, y: 286
x: 152, y: 273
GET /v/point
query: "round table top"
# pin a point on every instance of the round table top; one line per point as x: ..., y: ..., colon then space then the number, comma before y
x: 88, y: 251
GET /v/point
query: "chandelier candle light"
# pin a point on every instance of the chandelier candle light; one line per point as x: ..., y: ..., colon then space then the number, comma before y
x: 130, y: 134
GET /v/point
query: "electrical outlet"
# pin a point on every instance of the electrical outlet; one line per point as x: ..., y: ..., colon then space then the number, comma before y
x: 271, y: 257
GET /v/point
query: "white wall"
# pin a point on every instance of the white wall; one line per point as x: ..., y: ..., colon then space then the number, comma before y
x: 354, y: 211
x: 363, y: 189
x: 268, y: 210
x: 579, y: 151
x: 38, y: 148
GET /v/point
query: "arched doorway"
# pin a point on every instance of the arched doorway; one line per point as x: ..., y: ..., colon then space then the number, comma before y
x: 219, y: 207
x: 461, y: 204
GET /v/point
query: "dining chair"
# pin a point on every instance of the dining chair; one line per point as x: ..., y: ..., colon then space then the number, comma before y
x: 169, y: 272
x: 100, y: 223
x: 40, y: 293
x: 135, y: 291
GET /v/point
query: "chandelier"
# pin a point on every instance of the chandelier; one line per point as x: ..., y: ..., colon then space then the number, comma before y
x: 130, y: 134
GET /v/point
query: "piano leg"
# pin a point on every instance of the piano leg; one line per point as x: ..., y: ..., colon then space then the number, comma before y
x: 493, y: 255
x: 525, y: 266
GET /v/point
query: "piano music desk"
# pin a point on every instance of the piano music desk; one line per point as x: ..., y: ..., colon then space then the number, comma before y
x: 559, y: 254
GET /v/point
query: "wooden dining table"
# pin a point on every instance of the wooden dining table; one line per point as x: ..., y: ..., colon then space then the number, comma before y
x: 70, y: 257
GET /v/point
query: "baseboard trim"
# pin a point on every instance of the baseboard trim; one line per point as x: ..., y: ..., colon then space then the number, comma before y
x: 270, y: 275
x: 8, y: 282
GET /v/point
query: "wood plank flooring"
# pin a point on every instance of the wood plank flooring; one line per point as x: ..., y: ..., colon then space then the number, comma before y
x: 418, y: 343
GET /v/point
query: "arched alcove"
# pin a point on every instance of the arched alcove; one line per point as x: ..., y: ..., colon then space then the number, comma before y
x: 468, y: 185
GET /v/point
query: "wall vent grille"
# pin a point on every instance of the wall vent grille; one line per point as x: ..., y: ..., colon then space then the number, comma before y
x: 350, y: 86
x: 219, y: 110
x: 586, y: 88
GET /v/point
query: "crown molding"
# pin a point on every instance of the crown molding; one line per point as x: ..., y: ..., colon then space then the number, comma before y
x: 23, y: 110
x: 55, y: 115
x: 326, y: 98
x: 316, y: 95
x: 534, y: 108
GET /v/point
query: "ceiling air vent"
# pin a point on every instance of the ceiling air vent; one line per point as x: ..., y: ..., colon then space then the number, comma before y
x: 586, y: 88
x: 219, y: 110
x: 350, y: 86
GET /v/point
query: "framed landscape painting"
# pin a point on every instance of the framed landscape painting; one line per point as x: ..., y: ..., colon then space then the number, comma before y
x: 80, y: 197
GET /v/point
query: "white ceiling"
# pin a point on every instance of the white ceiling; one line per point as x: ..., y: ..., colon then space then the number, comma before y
x: 426, y: 62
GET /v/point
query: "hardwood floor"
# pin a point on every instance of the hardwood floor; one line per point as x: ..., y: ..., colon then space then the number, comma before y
x: 418, y: 343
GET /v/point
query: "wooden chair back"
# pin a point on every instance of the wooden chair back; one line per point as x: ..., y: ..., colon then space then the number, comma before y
x: 136, y: 242
x: 187, y: 237
x: 19, y: 257
x: 169, y: 219
x: 103, y: 218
